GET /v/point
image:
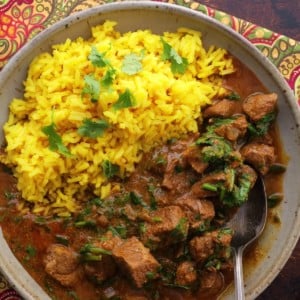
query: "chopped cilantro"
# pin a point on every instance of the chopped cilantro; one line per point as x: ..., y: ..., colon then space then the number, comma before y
x: 131, y: 64
x: 55, y: 140
x: 9, y: 195
x: 91, y: 87
x: 93, y: 249
x: 180, y: 231
x: 93, y: 129
x: 110, y: 169
x: 98, y: 59
x: 125, y: 100
x: 142, y: 228
x: 31, y: 252
x: 178, y: 64
x: 136, y: 199
x: 262, y: 126
x: 73, y: 295
x: 153, y: 203
x: 62, y: 239
x: 108, y: 77
x: 118, y: 230
x: 233, y: 96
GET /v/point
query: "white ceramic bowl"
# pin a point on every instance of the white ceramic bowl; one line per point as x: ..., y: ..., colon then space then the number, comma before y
x: 277, y: 243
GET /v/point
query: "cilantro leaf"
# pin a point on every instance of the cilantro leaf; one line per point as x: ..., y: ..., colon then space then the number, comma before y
x: 131, y: 64
x: 93, y: 129
x: 98, y: 59
x: 55, y: 140
x: 92, y: 87
x: 233, y: 96
x: 178, y: 64
x: 262, y: 126
x: 125, y: 100
x: 110, y: 169
x: 108, y: 78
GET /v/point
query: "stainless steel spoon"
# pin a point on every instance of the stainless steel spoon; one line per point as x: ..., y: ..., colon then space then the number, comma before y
x: 248, y: 223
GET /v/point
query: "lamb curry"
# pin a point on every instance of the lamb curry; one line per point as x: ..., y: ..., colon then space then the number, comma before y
x: 163, y: 234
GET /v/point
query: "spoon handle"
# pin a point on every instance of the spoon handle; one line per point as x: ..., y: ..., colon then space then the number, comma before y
x: 238, y: 274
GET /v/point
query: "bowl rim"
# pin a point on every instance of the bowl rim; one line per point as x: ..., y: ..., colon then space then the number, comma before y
x: 188, y: 12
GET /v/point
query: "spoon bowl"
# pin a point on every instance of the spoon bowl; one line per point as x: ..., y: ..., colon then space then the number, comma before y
x: 247, y: 224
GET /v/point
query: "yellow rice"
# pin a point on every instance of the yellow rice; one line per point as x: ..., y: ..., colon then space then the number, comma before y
x: 167, y: 106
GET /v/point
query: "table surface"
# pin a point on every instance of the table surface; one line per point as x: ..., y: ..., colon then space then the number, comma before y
x: 281, y: 16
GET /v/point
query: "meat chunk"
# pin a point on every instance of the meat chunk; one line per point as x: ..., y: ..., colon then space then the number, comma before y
x: 211, y: 283
x: 136, y: 260
x: 186, y: 274
x: 223, y: 108
x: 62, y: 263
x: 201, y: 247
x: 194, y: 159
x: 99, y: 271
x: 168, y: 226
x: 233, y: 130
x: 215, y: 242
x: 257, y: 106
x: 197, y: 211
x: 108, y: 242
x: 260, y: 156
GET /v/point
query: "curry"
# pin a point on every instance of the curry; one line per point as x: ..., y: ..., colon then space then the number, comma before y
x: 163, y: 234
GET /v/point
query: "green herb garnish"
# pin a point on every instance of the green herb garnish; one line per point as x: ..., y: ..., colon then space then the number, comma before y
x: 98, y: 59
x: 233, y: 96
x: 91, y: 87
x: 93, y: 129
x: 118, y: 230
x: 31, y: 252
x: 125, y: 100
x: 55, y: 140
x: 262, y: 126
x: 109, y: 169
x: 178, y: 64
x: 131, y: 64
x: 108, y: 78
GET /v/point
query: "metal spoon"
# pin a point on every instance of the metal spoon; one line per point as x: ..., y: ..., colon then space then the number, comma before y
x: 248, y: 223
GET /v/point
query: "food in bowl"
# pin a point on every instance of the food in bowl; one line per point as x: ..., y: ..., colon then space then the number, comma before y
x: 130, y: 153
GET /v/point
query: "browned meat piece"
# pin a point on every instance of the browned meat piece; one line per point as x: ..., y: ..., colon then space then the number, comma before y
x: 136, y: 260
x: 175, y: 177
x: 222, y: 108
x: 108, y: 242
x: 235, y: 130
x: 197, y: 211
x: 215, y: 242
x: 156, y: 161
x: 98, y: 271
x: 177, y: 181
x: 260, y: 156
x: 221, y: 237
x: 62, y: 263
x: 168, y: 226
x: 102, y: 221
x: 198, y: 190
x: 211, y: 283
x: 193, y: 156
x: 257, y: 106
x: 186, y: 273
x: 201, y: 247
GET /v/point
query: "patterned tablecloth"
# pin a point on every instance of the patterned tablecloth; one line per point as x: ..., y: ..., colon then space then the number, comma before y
x: 20, y: 20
